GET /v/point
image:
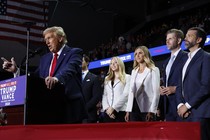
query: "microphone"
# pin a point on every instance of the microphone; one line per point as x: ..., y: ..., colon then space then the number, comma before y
x: 31, y: 54
x: 37, y: 51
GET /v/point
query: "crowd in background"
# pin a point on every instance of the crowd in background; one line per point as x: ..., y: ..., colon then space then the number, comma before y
x: 122, y: 96
x: 153, y: 33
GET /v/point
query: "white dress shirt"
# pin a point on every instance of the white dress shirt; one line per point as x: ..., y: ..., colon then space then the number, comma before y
x: 84, y: 73
x: 190, y: 56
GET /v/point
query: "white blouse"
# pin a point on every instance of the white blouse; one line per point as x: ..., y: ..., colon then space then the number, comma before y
x: 116, y: 96
x: 148, y: 98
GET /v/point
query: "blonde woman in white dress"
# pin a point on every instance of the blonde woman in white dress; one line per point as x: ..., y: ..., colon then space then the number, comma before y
x: 144, y: 87
x: 116, y: 89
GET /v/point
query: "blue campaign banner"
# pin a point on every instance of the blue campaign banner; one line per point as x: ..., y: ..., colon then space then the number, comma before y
x: 159, y: 50
x: 13, y: 91
x: 105, y: 62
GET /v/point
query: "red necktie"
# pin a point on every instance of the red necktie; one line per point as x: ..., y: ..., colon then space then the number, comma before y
x: 53, y: 64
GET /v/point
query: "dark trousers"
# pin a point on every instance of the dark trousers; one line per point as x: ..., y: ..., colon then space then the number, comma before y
x: 75, y: 111
x: 137, y: 115
x: 119, y: 117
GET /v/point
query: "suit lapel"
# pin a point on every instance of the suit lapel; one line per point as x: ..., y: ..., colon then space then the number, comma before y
x: 48, y: 63
x: 115, y: 83
x: 197, y: 55
x: 86, y: 78
x: 164, y: 68
x: 176, y: 62
x: 132, y: 80
x: 61, y: 57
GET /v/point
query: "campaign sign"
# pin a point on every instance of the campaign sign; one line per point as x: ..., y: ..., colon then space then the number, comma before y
x: 13, y: 91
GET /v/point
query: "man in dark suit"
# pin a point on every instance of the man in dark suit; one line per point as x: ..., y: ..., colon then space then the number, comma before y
x: 172, y: 70
x: 193, y: 92
x: 61, y: 65
x: 92, y: 91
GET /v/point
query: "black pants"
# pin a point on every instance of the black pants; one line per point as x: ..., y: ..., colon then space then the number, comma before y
x: 119, y: 117
x: 137, y: 115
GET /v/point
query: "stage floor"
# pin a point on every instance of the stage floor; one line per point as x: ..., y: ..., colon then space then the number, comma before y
x: 104, y: 131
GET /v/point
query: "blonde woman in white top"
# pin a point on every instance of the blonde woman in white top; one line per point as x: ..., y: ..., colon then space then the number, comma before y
x: 116, y: 89
x: 144, y: 87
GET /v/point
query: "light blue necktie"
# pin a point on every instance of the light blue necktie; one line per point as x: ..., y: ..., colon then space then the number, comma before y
x: 168, y: 68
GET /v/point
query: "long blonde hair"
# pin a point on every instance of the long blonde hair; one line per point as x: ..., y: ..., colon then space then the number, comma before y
x: 122, y: 73
x: 147, y: 58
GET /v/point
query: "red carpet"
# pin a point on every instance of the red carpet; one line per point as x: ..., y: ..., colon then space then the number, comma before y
x: 143, y: 131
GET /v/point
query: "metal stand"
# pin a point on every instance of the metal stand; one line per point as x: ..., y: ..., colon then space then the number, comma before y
x: 26, y: 70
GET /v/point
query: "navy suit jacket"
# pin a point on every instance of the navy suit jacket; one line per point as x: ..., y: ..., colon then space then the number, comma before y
x: 196, y: 86
x: 170, y: 104
x: 92, y: 92
x: 68, y: 71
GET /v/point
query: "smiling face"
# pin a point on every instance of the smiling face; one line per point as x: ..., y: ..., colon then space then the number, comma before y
x: 114, y: 65
x: 53, y: 41
x: 139, y: 55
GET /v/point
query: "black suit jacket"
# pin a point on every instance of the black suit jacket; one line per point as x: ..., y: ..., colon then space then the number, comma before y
x: 196, y: 86
x: 92, y: 93
x: 170, y: 104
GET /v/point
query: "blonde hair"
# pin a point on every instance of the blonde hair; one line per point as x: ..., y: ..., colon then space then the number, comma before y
x: 122, y: 73
x: 58, y: 31
x: 147, y: 58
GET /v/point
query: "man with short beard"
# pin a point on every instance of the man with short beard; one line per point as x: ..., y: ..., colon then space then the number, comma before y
x: 193, y: 92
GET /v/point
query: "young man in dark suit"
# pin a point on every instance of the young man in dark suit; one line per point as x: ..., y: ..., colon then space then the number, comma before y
x: 171, y: 71
x: 193, y: 92
x: 92, y: 91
